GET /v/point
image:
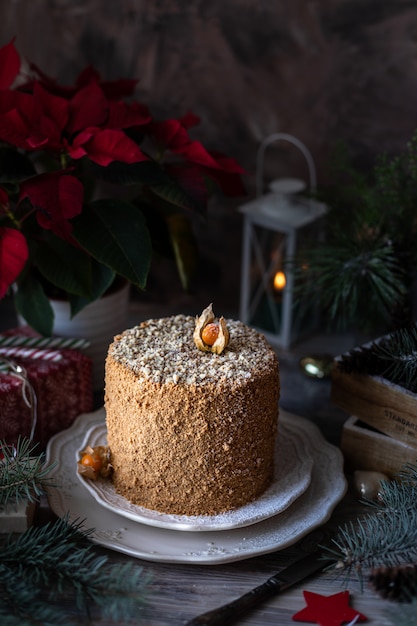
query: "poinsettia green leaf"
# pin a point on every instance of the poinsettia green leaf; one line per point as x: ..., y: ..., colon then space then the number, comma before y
x: 102, y: 278
x: 185, y: 248
x: 158, y: 229
x: 64, y: 265
x: 157, y: 181
x: 33, y: 305
x: 172, y: 194
x: 114, y: 232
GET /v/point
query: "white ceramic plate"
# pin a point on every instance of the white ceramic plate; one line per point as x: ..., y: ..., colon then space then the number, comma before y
x: 111, y: 530
x: 293, y: 467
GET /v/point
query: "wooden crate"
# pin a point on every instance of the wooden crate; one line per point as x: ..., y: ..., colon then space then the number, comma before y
x: 367, y: 449
x: 389, y: 408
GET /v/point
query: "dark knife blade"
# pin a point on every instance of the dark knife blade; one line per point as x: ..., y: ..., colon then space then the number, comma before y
x: 296, y: 572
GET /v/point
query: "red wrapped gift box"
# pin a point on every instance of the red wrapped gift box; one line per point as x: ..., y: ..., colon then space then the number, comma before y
x: 63, y: 389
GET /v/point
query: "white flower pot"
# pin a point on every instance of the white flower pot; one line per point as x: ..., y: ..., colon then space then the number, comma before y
x: 98, y: 322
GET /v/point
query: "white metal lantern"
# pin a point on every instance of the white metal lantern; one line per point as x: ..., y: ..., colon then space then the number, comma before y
x: 274, y: 224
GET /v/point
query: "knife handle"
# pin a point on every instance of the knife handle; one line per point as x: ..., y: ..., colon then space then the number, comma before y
x: 228, y: 613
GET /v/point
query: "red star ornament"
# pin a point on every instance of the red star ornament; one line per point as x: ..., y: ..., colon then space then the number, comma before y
x: 328, y: 610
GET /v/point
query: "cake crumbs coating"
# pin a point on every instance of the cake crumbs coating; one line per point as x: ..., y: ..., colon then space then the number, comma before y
x: 163, y: 351
x: 191, y: 432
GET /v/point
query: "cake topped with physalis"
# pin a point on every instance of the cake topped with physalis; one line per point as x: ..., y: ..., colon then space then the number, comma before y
x: 191, y: 413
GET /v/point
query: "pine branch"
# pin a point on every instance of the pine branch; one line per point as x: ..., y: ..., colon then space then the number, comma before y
x: 385, y: 537
x: 376, y: 540
x: 354, y: 281
x: 362, y: 273
x: 23, y: 475
x: 45, y: 565
x: 393, y: 357
x: 397, y: 496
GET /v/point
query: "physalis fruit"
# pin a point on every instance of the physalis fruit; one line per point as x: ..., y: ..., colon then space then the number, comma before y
x: 95, y: 462
x: 210, y: 335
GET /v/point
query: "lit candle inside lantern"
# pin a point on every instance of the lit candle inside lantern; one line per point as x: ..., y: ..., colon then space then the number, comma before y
x: 279, y: 281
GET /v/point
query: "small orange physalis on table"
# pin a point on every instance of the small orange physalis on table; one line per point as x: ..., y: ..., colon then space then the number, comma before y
x: 210, y: 335
x: 95, y: 462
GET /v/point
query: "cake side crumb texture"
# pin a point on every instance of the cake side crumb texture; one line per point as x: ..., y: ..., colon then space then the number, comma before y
x: 191, y: 432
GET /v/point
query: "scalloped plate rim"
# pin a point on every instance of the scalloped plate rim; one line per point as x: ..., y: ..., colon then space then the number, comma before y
x: 67, y: 499
x: 272, y: 502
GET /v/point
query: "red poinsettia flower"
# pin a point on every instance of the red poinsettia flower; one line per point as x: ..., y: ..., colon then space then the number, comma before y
x: 127, y: 115
x: 113, y: 89
x: 9, y: 65
x: 20, y: 121
x: 54, y: 114
x: 225, y: 171
x: 88, y: 107
x: 57, y: 129
x: 105, y: 146
x: 189, y: 120
x: 174, y: 136
x: 13, y: 256
x: 57, y: 197
x: 227, y: 175
x: 77, y: 120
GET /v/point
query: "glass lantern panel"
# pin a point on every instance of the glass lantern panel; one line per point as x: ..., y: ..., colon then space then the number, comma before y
x: 275, y: 290
x: 267, y: 279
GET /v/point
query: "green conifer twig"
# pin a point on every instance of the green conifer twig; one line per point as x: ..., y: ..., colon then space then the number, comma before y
x: 23, y: 475
x: 385, y: 536
x: 48, y: 567
x: 393, y: 357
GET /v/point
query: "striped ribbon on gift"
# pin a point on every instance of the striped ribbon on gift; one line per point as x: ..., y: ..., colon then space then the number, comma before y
x: 31, y: 353
x: 43, y: 342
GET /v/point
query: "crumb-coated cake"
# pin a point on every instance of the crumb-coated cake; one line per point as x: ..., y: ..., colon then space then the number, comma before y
x: 191, y: 432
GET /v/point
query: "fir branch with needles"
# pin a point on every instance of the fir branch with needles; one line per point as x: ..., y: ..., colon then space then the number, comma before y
x: 393, y: 357
x: 386, y: 536
x: 55, y: 566
x: 354, y: 280
x: 361, y: 273
x: 23, y: 474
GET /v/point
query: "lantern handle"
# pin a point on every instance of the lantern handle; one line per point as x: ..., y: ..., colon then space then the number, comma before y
x: 296, y: 142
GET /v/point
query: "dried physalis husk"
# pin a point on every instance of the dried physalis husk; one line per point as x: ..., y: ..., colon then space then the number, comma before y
x: 210, y: 335
x: 95, y: 462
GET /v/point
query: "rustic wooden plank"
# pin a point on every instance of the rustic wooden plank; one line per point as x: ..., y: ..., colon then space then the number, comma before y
x: 366, y: 449
x: 389, y: 408
x: 179, y: 592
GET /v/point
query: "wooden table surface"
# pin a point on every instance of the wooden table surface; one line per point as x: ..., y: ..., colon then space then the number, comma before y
x: 180, y: 592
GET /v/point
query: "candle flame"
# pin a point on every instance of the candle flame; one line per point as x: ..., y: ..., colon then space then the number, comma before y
x: 279, y: 281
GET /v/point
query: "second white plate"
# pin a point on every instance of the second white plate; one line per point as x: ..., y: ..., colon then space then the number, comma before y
x: 292, y: 476
x: 69, y: 499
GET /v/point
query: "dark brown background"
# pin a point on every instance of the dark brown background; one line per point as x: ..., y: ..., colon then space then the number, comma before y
x: 323, y: 70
